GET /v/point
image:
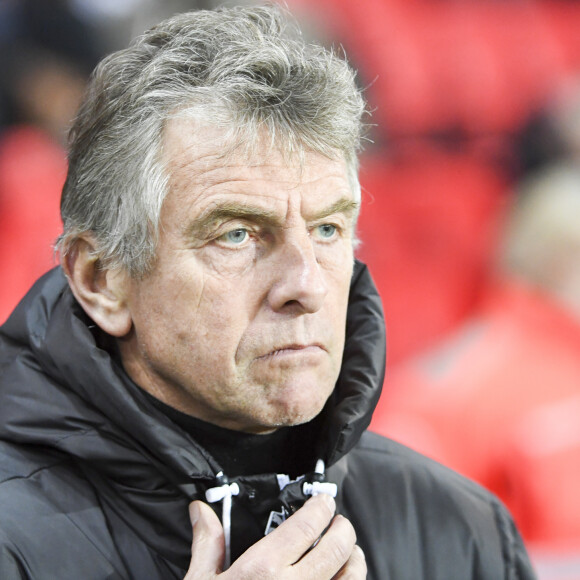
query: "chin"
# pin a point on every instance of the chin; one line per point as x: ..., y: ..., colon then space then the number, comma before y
x: 293, y: 402
x: 297, y: 414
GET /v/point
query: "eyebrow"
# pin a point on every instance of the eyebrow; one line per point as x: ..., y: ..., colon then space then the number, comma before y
x: 344, y: 205
x: 204, y: 224
x: 226, y: 211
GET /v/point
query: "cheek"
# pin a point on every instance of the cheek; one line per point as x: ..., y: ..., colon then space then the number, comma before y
x: 339, y: 279
x: 217, y: 322
x: 228, y: 266
x: 166, y: 309
x: 338, y: 310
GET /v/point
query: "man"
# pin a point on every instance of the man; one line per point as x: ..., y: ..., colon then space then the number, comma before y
x: 199, y: 351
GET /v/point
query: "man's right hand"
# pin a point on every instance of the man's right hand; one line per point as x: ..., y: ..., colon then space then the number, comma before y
x: 284, y: 554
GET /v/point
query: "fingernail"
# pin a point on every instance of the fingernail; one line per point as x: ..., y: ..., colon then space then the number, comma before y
x: 193, y: 512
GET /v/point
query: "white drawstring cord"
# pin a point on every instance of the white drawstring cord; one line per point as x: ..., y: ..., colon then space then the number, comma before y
x: 317, y: 487
x: 319, y: 467
x: 224, y: 494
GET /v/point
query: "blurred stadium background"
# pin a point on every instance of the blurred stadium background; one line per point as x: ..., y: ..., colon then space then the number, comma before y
x: 473, y: 101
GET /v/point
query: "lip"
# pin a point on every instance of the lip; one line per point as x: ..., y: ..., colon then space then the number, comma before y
x: 289, y: 350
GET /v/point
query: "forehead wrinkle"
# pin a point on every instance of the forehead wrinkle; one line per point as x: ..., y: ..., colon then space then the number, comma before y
x: 204, y: 172
x: 185, y: 172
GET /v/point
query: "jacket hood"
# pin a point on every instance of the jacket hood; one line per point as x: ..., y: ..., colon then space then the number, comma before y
x: 62, y: 389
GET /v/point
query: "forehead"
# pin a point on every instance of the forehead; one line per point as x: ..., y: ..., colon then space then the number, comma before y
x: 201, y: 164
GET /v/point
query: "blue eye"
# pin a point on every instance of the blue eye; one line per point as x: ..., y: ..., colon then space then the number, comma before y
x: 236, y: 237
x: 326, y: 231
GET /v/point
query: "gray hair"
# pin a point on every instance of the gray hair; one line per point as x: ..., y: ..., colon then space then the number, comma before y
x: 246, y: 69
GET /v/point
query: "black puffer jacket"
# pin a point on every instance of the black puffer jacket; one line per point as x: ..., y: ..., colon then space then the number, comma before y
x: 95, y: 480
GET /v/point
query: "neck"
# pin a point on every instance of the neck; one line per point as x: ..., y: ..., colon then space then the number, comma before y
x: 286, y: 450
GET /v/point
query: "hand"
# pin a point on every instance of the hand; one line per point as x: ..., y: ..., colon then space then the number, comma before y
x: 284, y: 553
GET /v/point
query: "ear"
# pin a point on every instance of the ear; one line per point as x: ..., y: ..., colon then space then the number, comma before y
x: 101, y: 292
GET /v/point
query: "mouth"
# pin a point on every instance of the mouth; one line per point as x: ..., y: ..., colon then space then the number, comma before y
x: 290, y: 350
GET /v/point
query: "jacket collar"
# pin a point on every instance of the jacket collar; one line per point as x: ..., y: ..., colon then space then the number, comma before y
x: 91, y: 398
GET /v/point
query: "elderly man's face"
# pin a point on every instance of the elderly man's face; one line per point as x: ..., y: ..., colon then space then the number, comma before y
x: 241, y: 323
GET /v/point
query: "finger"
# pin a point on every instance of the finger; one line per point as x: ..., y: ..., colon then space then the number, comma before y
x: 207, y: 547
x: 331, y: 553
x: 355, y: 568
x: 293, y: 538
x: 303, y: 529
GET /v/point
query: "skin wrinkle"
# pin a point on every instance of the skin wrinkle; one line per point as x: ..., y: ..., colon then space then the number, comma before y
x: 211, y: 314
x: 345, y: 205
x: 320, y: 108
x: 228, y: 156
x: 203, y: 228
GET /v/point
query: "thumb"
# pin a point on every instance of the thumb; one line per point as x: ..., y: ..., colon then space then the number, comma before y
x: 207, y: 547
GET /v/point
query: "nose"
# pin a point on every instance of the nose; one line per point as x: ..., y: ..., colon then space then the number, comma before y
x: 298, y: 282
